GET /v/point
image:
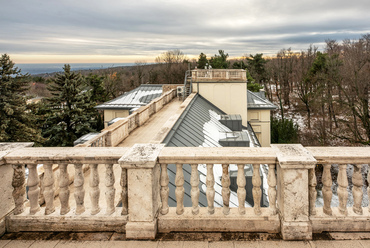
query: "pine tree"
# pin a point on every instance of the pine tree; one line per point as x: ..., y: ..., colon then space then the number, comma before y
x: 17, y: 121
x: 71, y: 113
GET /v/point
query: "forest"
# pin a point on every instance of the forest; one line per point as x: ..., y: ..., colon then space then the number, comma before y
x: 322, y: 96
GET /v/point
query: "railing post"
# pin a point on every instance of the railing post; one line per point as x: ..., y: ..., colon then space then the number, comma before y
x: 143, y: 174
x: 294, y: 162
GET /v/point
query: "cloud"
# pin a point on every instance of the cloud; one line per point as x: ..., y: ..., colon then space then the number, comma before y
x: 147, y: 28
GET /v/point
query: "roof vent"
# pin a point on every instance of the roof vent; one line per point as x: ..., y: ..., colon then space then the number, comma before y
x: 234, y: 139
x: 234, y: 122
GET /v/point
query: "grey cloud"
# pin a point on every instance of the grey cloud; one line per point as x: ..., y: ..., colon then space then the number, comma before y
x: 150, y: 27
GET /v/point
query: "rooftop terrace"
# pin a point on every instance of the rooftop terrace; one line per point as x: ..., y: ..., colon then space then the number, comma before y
x: 126, y: 190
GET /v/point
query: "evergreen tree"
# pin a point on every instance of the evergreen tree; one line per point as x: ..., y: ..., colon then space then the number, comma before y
x: 202, y: 61
x: 98, y: 92
x: 71, y: 113
x: 283, y: 131
x: 220, y: 61
x: 17, y: 122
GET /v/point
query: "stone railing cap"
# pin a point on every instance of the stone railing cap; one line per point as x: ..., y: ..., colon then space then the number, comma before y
x: 141, y: 156
x: 294, y: 156
x: 7, y: 147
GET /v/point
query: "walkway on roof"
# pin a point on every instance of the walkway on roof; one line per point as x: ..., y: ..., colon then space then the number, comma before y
x: 147, y: 132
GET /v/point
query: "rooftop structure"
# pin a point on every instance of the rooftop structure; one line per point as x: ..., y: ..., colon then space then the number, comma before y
x: 162, y: 186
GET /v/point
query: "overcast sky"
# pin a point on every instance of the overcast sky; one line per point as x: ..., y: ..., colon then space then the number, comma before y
x: 68, y: 31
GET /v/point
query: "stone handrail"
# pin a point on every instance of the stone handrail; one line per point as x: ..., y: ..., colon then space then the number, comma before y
x: 218, y: 74
x: 144, y: 190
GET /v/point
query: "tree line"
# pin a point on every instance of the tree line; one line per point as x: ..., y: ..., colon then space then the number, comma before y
x: 330, y: 88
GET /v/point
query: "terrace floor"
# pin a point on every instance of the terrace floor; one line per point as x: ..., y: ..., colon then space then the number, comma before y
x: 7, y: 243
x: 147, y: 132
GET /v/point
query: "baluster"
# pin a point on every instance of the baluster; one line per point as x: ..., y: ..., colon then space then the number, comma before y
x: 94, y: 191
x: 179, y: 182
x: 326, y: 189
x: 271, y: 180
x: 194, y: 182
x: 64, y: 190
x: 368, y: 180
x: 124, y: 191
x: 342, y: 189
x: 33, y: 188
x: 49, y: 189
x: 111, y: 191
x: 210, y: 192
x: 257, y: 193
x: 312, y: 192
x: 241, y: 188
x: 357, y: 189
x: 19, y: 192
x: 165, y: 191
x: 225, y: 182
x: 79, y: 189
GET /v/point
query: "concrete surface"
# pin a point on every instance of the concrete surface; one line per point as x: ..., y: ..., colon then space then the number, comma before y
x: 185, y: 244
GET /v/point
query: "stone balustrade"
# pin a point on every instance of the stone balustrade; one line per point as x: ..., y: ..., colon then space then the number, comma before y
x: 128, y: 190
x: 113, y: 135
x: 94, y: 206
x: 218, y: 74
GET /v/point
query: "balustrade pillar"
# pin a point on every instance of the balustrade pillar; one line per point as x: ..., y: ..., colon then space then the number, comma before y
x: 165, y: 191
x: 326, y: 189
x: 143, y: 176
x: 357, y: 189
x: 225, y: 181
x: 368, y: 180
x: 194, y: 182
x: 111, y: 191
x: 49, y: 189
x: 33, y: 188
x: 294, y: 163
x: 312, y: 194
x: 342, y: 189
x: 271, y: 180
x: 79, y: 189
x: 64, y: 189
x: 179, y: 192
x: 210, y: 192
x: 19, y: 192
x: 95, y: 190
x: 257, y: 192
x: 123, y: 184
x: 241, y: 192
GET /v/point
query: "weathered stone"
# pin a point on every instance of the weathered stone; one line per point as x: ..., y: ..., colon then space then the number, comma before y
x: 219, y: 222
x: 141, y: 230
x: 143, y: 174
x: 293, y: 194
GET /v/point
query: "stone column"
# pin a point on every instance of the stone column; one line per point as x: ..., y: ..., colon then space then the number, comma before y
x: 143, y: 174
x: 294, y: 161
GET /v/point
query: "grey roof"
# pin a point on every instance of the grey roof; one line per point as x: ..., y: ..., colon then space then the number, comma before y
x: 256, y: 100
x: 199, y: 126
x: 135, y: 98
